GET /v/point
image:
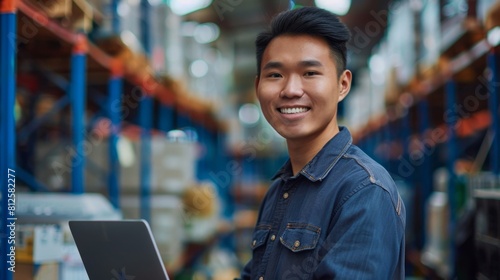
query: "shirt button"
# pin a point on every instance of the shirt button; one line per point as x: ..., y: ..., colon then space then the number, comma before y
x: 296, y: 244
x: 273, y: 237
x: 254, y: 242
x: 285, y: 195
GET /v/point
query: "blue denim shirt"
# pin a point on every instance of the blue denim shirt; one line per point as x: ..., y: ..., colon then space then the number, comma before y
x: 341, y: 217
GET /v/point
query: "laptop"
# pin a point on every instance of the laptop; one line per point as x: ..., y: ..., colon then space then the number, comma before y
x: 118, y: 250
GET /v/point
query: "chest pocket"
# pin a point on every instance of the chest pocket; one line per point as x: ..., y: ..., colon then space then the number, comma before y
x: 300, y: 237
x: 259, y: 237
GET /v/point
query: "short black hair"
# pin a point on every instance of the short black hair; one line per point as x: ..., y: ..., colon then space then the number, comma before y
x: 311, y: 21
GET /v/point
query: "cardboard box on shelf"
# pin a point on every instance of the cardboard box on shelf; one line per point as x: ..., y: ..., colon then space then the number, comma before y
x: 82, y: 14
x: 39, y: 251
x: 484, y: 12
x: 71, y: 14
x: 492, y: 17
x: 46, y: 271
x: 173, y: 166
x: 53, y: 8
x: 39, y: 243
x: 393, y: 88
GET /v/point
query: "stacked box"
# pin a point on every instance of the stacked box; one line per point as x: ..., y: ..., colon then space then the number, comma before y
x: 173, y: 166
x: 172, y: 169
x: 167, y: 225
x: 39, y: 252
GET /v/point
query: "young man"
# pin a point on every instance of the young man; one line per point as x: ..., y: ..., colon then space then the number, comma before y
x: 332, y: 212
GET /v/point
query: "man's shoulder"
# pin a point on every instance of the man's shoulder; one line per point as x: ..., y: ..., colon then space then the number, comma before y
x: 360, y: 159
x: 378, y: 176
x: 364, y: 170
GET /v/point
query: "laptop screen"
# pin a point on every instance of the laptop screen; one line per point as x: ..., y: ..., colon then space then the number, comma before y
x: 118, y: 250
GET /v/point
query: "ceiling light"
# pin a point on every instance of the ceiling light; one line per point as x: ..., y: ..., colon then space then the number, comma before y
x: 206, y: 33
x: 249, y: 114
x: 134, y: 2
x: 123, y: 9
x: 199, y: 68
x: 188, y: 28
x: 155, y: 2
x: 376, y: 63
x: 183, y: 7
x: 126, y: 154
x: 494, y: 36
x: 339, y: 7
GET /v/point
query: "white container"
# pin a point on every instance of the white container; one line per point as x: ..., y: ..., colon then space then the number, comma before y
x: 436, y: 249
x: 167, y: 222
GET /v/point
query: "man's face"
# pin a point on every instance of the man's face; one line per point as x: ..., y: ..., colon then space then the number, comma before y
x: 298, y: 87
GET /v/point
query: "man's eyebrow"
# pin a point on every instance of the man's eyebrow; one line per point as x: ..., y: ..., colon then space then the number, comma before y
x: 303, y: 63
x: 310, y: 63
x: 272, y: 64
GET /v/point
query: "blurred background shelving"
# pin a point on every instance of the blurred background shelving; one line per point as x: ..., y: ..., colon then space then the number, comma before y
x: 146, y: 109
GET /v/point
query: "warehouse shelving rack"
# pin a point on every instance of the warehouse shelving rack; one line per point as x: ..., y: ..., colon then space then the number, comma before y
x: 432, y: 108
x: 82, y: 71
x: 83, y: 57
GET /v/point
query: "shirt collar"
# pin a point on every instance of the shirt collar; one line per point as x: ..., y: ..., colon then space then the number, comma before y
x: 324, y: 161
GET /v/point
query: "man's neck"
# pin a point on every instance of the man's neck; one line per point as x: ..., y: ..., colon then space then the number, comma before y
x: 302, y: 151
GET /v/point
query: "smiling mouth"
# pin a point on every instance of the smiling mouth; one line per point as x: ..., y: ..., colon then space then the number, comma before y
x: 294, y: 110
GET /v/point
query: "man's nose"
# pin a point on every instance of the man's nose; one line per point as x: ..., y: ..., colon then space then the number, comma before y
x: 292, y: 88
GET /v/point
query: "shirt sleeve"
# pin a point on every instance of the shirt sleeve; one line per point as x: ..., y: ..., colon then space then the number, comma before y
x: 366, y: 240
x: 245, y: 273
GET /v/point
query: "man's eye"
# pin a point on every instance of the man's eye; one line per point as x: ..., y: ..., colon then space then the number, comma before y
x: 310, y: 73
x: 274, y: 75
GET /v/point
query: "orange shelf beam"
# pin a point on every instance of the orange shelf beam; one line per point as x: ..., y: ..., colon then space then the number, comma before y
x: 7, y: 6
x: 45, y: 21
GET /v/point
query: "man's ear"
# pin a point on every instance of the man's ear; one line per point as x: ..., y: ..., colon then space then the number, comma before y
x: 344, y: 84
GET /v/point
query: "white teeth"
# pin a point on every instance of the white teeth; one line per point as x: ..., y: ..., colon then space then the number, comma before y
x: 293, y: 110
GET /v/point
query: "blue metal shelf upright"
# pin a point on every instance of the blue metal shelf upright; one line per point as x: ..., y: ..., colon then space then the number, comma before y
x: 145, y: 120
x: 115, y: 97
x: 77, y: 93
x: 8, y: 44
x: 494, y: 101
x: 425, y: 172
x: 452, y: 146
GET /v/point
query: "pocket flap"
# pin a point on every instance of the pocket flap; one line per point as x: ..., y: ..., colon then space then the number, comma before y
x: 259, y: 237
x: 300, y: 237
